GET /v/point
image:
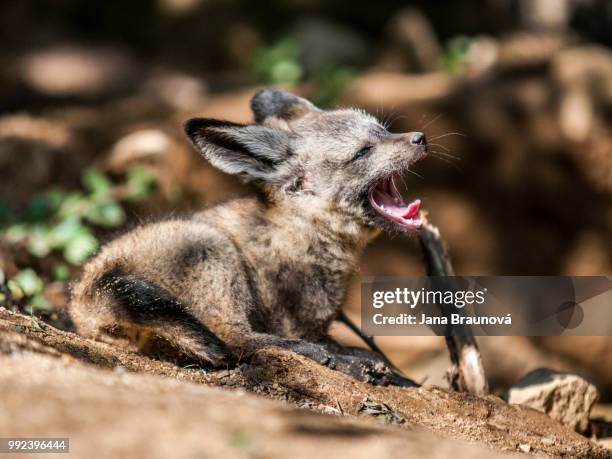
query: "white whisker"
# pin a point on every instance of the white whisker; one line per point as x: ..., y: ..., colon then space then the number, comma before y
x: 431, y: 121
x: 439, y: 145
x: 414, y: 173
x: 447, y: 134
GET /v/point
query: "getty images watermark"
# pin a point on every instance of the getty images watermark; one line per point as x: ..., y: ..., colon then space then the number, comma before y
x: 496, y: 306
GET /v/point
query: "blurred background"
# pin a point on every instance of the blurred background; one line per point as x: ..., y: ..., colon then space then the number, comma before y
x: 514, y: 95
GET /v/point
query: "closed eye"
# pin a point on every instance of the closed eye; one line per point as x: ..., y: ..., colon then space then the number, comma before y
x: 362, y: 152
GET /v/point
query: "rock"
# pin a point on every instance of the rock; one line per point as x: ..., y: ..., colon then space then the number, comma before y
x: 577, y: 66
x: 481, y: 56
x: 548, y: 441
x: 179, y: 91
x: 545, y: 15
x: 395, y: 89
x: 145, y: 144
x: 72, y: 70
x: 565, y: 397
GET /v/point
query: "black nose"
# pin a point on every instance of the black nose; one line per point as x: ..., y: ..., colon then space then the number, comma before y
x: 418, y: 138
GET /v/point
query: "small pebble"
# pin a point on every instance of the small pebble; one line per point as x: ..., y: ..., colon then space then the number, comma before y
x: 120, y: 370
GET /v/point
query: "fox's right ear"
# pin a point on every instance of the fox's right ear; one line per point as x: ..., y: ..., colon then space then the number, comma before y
x: 275, y: 103
x: 248, y: 150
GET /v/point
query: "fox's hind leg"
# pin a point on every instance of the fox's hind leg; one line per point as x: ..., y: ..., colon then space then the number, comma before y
x: 120, y: 303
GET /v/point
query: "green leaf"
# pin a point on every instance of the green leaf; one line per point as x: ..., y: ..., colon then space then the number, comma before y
x: 455, y: 52
x: 96, y: 182
x: 38, y: 301
x: 80, y: 247
x: 140, y: 183
x: 15, y: 289
x: 34, y: 322
x: 74, y: 205
x: 29, y: 282
x: 39, y: 241
x: 61, y: 273
x: 285, y: 72
x: 64, y: 231
x: 16, y: 233
x: 279, y: 63
x: 43, y: 205
x: 107, y: 213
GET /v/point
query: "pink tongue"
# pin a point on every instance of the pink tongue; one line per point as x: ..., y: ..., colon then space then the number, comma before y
x: 413, y: 209
x: 395, y: 206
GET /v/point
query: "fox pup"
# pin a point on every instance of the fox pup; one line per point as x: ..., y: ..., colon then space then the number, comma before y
x: 266, y: 270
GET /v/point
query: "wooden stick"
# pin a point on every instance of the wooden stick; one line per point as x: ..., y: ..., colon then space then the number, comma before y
x: 467, y: 372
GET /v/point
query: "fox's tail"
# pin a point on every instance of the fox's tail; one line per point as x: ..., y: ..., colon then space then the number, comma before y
x: 145, y: 304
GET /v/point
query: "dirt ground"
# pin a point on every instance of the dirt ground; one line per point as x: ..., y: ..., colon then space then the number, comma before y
x: 519, y: 181
x: 114, y: 403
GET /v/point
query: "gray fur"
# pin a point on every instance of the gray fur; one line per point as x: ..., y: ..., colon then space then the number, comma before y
x: 270, y: 102
x: 253, y: 271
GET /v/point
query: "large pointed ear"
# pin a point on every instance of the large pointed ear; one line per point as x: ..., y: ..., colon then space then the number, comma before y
x: 249, y: 150
x: 274, y: 103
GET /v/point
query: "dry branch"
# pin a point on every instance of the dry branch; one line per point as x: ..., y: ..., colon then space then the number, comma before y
x: 467, y: 373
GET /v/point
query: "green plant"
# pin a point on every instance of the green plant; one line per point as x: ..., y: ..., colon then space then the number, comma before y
x: 455, y: 52
x: 27, y: 284
x: 330, y: 83
x: 279, y: 64
x: 63, y: 222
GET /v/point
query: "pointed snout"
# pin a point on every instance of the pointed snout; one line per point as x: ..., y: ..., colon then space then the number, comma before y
x: 414, y: 143
x: 413, y: 139
x: 417, y: 138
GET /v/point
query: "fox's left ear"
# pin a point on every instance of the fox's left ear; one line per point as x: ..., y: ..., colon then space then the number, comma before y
x: 269, y: 103
x: 247, y: 150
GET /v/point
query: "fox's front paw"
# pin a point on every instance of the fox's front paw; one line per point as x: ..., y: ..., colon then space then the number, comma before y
x: 360, y: 367
x: 368, y: 370
x: 313, y: 351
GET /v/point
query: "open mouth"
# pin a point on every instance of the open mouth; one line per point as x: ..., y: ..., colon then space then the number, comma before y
x: 387, y: 201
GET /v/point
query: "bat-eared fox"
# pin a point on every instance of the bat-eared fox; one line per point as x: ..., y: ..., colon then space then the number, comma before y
x: 272, y: 269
